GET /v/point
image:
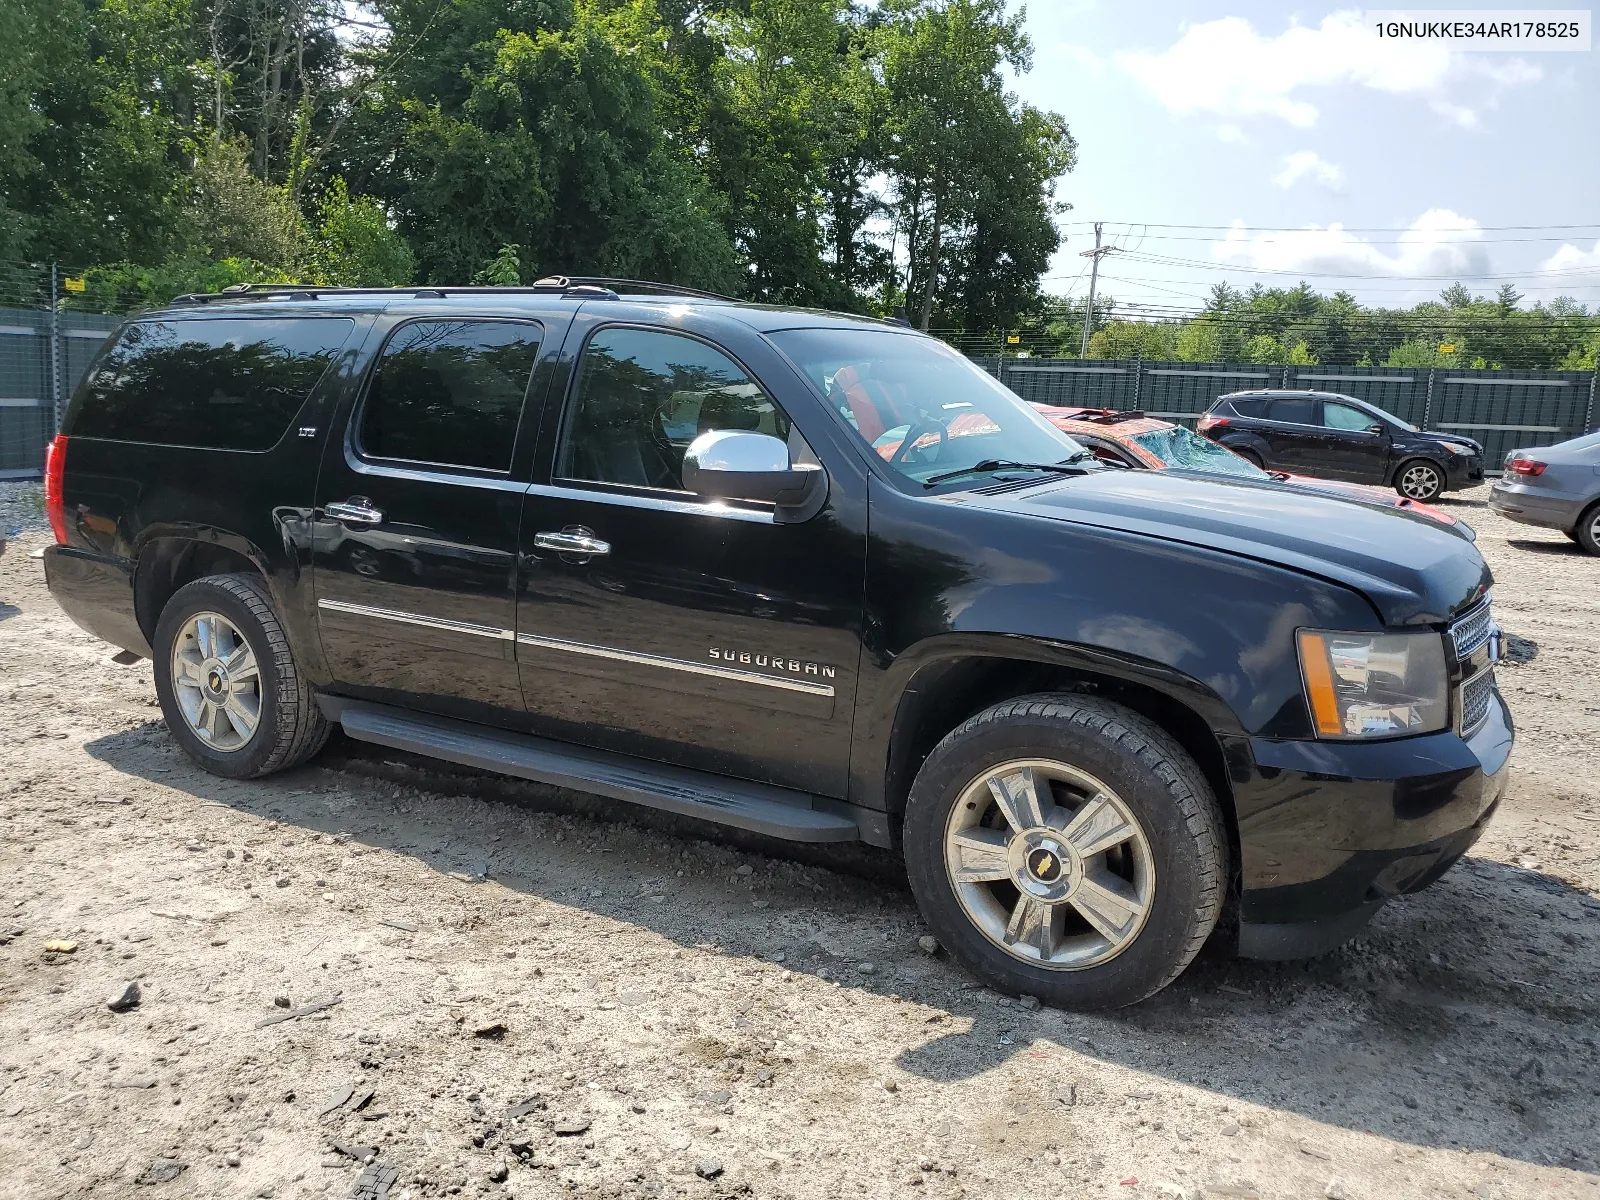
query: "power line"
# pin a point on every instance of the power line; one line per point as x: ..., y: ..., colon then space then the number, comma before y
x: 1595, y: 225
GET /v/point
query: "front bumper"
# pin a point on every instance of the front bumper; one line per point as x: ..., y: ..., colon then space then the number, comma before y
x: 1518, y: 502
x: 1463, y: 471
x: 1329, y: 831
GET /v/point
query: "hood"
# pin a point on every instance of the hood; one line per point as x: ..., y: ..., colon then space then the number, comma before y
x: 1455, y: 439
x: 1411, y: 569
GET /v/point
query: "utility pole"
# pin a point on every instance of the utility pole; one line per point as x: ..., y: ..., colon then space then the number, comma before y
x: 1095, y: 255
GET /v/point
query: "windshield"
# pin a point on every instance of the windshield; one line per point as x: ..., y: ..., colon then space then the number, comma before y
x: 924, y: 408
x: 1179, y: 447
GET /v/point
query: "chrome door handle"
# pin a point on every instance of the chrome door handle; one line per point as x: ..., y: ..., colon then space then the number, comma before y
x: 358, y: 510
x: 571, y: 543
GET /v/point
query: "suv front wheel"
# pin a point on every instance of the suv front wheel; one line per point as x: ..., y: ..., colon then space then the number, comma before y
x: 1419, y: 480
x: 1066, y: 847
x: 230, y: 690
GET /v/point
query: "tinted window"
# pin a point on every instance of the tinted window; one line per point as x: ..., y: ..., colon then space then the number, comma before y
x: 644, y: 395
x: 922, y: 407
x: 1342, y: 416
x: 216, y: 384
x: 1250, y: 408
x: 450, y: 392
x: 1301, y: 412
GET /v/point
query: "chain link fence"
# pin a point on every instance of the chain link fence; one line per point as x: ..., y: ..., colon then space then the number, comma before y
x: 42, y: 357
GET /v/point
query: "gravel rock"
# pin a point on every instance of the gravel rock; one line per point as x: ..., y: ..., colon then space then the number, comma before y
x: 928, y: 944
x: 572, y: 1126
x: 708, y: 1168
x: 162, y: 1170
x: 126, y: 999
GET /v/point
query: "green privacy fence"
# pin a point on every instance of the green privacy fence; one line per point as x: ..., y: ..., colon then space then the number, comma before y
x: 1502, y: 409
x: 41, y: 361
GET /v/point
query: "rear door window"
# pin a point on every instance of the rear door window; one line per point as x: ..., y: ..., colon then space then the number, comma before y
x: 1294, y: 410
x: 449, y: 393
x: 210, y: 383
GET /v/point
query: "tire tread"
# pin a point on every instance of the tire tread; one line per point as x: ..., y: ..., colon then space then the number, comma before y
x: 1159, y: 752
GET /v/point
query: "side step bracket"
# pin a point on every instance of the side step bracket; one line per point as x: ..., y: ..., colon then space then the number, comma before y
x: 761, y: 808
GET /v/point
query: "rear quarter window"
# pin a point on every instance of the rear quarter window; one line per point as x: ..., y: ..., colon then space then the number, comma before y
x: 1249, y: 408
x: 217, y: 384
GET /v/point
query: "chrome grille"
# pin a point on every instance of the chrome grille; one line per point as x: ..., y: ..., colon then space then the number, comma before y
x: 1472, y: 630
x: 1475, y: 694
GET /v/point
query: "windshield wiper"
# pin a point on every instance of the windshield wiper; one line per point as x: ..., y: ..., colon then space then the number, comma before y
x: 1064, y: 467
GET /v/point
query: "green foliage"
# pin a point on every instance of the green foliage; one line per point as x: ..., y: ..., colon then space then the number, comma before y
x: 503, y: 270
x: 233, y: 215
x: 356, y: 246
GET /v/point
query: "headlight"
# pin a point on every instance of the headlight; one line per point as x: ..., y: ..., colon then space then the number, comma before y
x: 1453, y: 448
x: 1373, y: 685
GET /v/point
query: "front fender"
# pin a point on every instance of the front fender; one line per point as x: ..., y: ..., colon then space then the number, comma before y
x: 1207, y: 630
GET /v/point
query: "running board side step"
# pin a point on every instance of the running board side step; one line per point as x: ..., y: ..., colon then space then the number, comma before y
x: 761, y: 808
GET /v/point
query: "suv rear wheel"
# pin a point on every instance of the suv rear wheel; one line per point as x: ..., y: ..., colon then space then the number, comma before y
x: 1064, y: 846
x: 1419, y: 479
x: 229, y: 688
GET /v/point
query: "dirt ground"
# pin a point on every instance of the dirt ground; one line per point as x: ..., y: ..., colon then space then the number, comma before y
x: 546, y: 998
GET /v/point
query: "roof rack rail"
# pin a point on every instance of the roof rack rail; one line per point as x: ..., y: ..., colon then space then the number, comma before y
x: 597, y: 287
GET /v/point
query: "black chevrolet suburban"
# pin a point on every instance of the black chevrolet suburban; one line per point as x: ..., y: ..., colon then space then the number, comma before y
x: 810, y: 575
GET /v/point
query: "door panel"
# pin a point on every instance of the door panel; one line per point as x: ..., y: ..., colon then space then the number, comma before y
x: 415, y: 561
x: 706, y: 634
x: 1294, y: 435
x: 1353, y: 453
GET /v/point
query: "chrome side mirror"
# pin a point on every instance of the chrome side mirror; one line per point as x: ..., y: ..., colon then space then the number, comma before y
x: 737, y: 464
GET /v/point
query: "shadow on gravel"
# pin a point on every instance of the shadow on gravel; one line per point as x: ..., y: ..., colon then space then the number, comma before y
x: 1492, y: 974
x: 8, y: 610
x: 1563, y: 547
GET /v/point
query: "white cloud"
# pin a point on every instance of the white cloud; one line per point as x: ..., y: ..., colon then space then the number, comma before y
x: 1308, y: 164
x: 1570, y: 258
x: 1439, y: 242
x: 1229, y: 132
x: 1227, y: 68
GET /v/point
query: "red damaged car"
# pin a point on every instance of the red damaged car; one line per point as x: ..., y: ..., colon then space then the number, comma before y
x: 1143, y: 442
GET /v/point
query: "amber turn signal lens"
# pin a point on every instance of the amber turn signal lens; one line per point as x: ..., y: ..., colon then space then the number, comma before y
x: 1319, y: 684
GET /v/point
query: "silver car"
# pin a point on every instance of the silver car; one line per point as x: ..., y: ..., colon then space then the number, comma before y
x: 1555, y: 486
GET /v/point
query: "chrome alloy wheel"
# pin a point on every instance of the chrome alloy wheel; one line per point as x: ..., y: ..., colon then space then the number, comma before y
x: 216, y: 681
x: 1420, y: 481
x: 1050, y: 864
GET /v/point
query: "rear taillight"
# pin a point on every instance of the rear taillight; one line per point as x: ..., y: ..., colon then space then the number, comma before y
x: 1207, y: 423
x: 1525, y: 466
x: 55, y: 472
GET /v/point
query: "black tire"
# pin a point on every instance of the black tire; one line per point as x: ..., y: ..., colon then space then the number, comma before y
x: 291, y: 727
x: 1587, y: 533
x: 1250, y: 456
x: 1160, y: 785
x: 1419, y: 479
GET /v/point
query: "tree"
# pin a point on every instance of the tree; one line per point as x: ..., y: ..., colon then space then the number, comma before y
x: 544, y: 135
x: 965, y: 159
x: 356, y: 245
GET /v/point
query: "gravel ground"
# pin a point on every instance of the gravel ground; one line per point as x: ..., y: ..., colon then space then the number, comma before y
x: 496, y: 989
x: 21, y: 508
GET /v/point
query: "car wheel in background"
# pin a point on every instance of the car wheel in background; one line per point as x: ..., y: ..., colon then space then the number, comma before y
x: 1419, y: 479
x: 1587, y: 534
x: 1066, y: 847
x: 229, y: 688
x: 1250, y: 456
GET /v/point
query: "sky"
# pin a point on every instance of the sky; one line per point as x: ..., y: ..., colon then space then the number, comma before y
x: 1305, y: 149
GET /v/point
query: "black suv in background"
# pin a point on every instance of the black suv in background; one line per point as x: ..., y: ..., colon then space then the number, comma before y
x: 1341, y: 437
x: 814, y: 576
